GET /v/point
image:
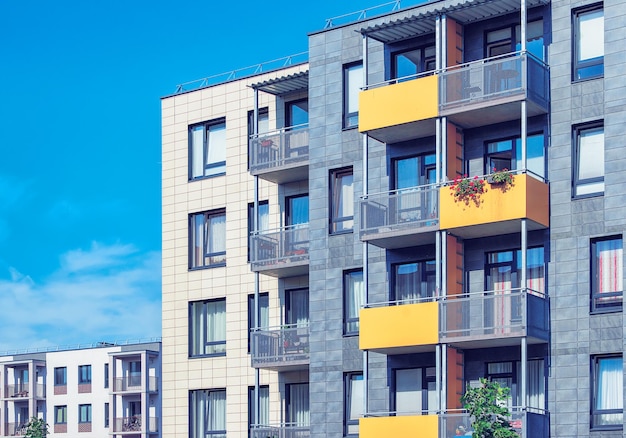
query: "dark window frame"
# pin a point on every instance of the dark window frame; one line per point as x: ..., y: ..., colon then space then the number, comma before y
x: 425, y: 380
x: 252, y: 402
x: 84, y: 374
x: 425, y: 61
x: 347, y: 402
x: 264, y: 204
x: 207, y: 433
x: 334, y: 220
x: 88, y: 413
x: 594, y: 375
x: 262, y: 112
x: 264, y: 298
x: 219, y: 256
x: 578, y: 67
x: 424, y: 274
x: 106, y: 414
x: 63, y: 410
x: 576, y: 180
x: 206, y: 127
x: 106, y: 375
x: 350, y: 118
x: 205, y: 329
x: 347, y: 320
x: 64, y: 376
x: 595, y: 295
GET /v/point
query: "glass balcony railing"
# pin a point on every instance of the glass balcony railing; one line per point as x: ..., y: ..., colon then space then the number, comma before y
x: 22, y: 391
x: 286, y: 346
x: 287, y: 430
x: 134, y: 424
x: 390, y: 219
x: 279, y: 150
x: 281, y: 252
x: 534, y: 422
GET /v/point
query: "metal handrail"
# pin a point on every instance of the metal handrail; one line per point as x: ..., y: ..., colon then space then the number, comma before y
x: 362, y: 14
x: 280, y: 130
x: 280, y: 229
x: 99, y: 344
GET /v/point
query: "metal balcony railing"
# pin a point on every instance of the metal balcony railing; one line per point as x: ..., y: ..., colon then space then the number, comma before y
x: 133, y: 383
x: 287, y: 430
x: 494, y: 78
x: 278, y: 149
x: 22, y: 391
x: 283, y: 346
x: 534, y: 421
x: 134, y: 424
x: 415, y: 207
x: 286, y: 245
x: 16, y: 429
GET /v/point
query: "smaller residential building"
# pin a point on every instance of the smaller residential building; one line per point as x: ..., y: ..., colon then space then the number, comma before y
x: 103, y: 389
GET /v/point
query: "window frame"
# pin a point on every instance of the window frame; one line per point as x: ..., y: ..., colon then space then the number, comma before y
x: 594, y: 385
x: 423, y: 273
x: 348, y: 320
x: 63, y: 410
x: 56, y: 381
x: 263, y: 299
x: 336, y: 193
x: 427, y: 377
x: 106, y: 415
x: 106, y: 375
x: 84, y: 374
x: 217, y: 259
x: 578, y: 182
x: 87, y: 411
x: 348, y: 378
x: 264, y: 204
x: 193, y: 334
x: 263, y: 390
x: 206, y: 128
x: 207, y: 433
x: 422, y: 68
x: 350, y: 118
x: 579, y: 66
x: 594, y: 274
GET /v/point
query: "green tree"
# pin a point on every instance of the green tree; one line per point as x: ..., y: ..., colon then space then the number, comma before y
x: 36, y: 428
x: 486, y: 404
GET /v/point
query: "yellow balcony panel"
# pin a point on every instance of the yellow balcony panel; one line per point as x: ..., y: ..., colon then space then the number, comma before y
x: 400, y: 111
x: 424, y: 426
x: 399, y: 329
x: 499, y: 210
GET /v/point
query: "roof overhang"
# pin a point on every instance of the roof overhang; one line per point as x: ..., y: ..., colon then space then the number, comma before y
x: 284, y: 84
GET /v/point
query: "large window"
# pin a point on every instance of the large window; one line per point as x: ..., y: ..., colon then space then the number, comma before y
x: 207, y: 239
x: 352, y: 84
x: 503, y: 270
x: 263, y: 316
x: 84, y: 374
x: 414, y: 391
x: 264, y: 406
x: 588, y: 179
x: 353, y: 299
x: 607, y: 274
x: 60, y: 414
x: 84, y: 413
x: 607, y: 406
x: 207, y: 149
x: 342, y: 200
x: 508, y: 374
x: 263, y: 219
x: 353, y: 403
x: 207, y: 413
x: 412, y: 61
x: 297, y: 307
x: 207, y: 320
x: 297, y: 404
x: 60, y: 376
x: 508, y: 39
x: 413, y: 281
x: 588, y: 44
x: 507, y: 154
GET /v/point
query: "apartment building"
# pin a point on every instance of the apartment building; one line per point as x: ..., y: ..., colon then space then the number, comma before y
x: 433, y: 198
x: 107, y: 389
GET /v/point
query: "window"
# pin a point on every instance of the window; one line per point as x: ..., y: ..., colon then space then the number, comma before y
x: 264, y: 313
x: 207, y: 239
x: 297, y: 404
x: 60, y: 414
x: 297, y: 307
x: 500, y: 41
x: 588, y: 160
x: 106, y: 415
x: 256, y: 155
x: 134, y: 369
x: 413, y: 281
x: 352, y: 84
x: 207, y: 328
x: 508, y: 374
x: 84, y: 374
x: 60, y: 376
x: 412, y: 61
x: 353, y: 299
x: 207, y: 413
x: 263, y: 120
x: 297, y: 113
x: 342, y: 200
x: 106, y: 375
x: 503, y: 270
x: 207, y: 149
x: 588, y: 44
x: 84, y: 413
x: 606, y: 274
x: 353, y: 402
x: 264, y: 406
x: 607, y: 406
x: 507, y: 154
x: 263, y: 220
x: 414, y: 391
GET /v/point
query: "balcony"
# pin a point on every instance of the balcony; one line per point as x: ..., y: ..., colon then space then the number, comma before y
x: 134, y: 424
x: 488, y: 91
x: 400, y: 218
x: 400, y: 426
x: 280, y: 349
x: 21, y: 391
x: 401, y: 109
x: 287, y: 430
x: 498, y: 210
x: 281, y: 156
x: 535, y: 421
x: 281, y: 253
x: 399, y: 329
x: 494, y: 318
x: 134, y: 384
x: 16, y: 429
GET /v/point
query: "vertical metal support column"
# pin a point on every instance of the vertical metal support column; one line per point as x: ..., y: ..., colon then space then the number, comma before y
x: 524, y: 65
x: 365, y: 245
x: 524, y: 347
x: 255, y: 227
x: 444, y: 377
x: 438, y: 378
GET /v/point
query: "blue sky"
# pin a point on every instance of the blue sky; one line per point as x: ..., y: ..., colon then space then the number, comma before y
x: 80, y: 83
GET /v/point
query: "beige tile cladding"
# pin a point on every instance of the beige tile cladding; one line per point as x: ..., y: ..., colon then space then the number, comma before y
x: 180, y: 197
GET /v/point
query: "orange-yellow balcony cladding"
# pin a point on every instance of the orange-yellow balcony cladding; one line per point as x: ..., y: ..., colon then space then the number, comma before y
x: 399, y: 329
x: 404, y: 426
x: 498, y: 210
x: 400, y: 111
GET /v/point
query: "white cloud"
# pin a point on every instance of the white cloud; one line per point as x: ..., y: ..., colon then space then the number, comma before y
x: 104, y: 293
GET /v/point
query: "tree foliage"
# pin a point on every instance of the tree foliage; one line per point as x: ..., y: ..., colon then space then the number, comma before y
x: 486, y: 404
x: 36, y: 428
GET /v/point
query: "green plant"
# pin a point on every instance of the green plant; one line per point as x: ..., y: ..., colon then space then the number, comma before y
x: 486, y: 405
x: 36, y: 428
x: 504, y: 176
x: 467, y: 189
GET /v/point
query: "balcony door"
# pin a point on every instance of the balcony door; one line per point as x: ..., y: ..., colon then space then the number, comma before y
x: 134, y: 373
x: 296, y: 220
x: 415, y: 391
x: 413, y: 201
x: 297, y: 307
x: 298, y: 406
x: 412, y: 61
x: 297, y: 113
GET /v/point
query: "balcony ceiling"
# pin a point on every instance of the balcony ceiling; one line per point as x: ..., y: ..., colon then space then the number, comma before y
x: 284, y: 84
x: 462, y: 11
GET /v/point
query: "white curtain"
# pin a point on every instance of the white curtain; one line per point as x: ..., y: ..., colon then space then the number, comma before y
x: 298, y: 310
x: 355, y: 299
x: 355, y: 82
x: 408, y: 391
x: 609, y: 391
x: 197, y: 151
x: 536, y: 384
x: 216, y: 326
x: 216, y: 144
x: 356, y: 402
x: 208, y: 412
x: 216, y: 237
x: 610, y: 265
x: 298, y: 408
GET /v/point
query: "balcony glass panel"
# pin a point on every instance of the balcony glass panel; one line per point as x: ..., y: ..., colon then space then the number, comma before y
x: 284, y: 346
x: 283, y: 148
x: 287, y: 430
x: 534, y: 421
x: 287, y: 245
